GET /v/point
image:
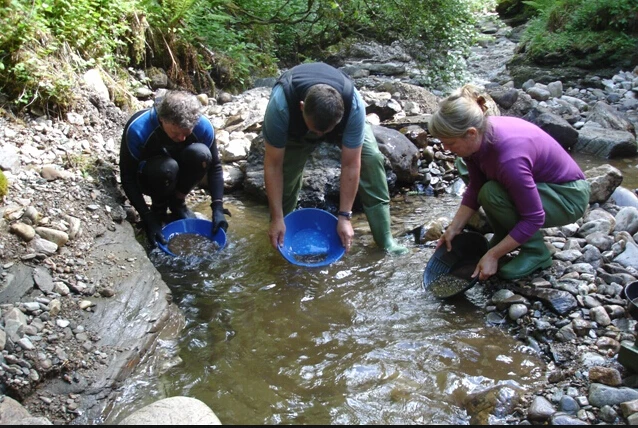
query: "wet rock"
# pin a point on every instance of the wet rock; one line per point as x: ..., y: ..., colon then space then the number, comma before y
x: 608, y: 414
x: 629, y: 407
x: 568, y: 405
x: 173, y: 411
x: 601, y: 395
x: 559, y: 301
x: 540, y: 410
x: 566, y: 419
x: 600, y: 316
x: 496, y: 401
x: 399, y: 150
x: 566, y: 334
x: 605, y: 375
x: 606, y: 143
x: 516, y: 311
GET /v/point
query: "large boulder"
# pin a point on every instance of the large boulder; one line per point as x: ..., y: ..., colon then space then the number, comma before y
x: 555, y: 126
x: 606, y: 143
x: 610, y: 117
x: 400, y: 151
x: 603, y: 180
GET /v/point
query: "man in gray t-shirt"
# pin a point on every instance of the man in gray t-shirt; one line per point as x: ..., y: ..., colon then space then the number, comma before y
x: 316, y: 102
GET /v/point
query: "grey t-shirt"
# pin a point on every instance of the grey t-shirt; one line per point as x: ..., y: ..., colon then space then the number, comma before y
x: 277, y: 117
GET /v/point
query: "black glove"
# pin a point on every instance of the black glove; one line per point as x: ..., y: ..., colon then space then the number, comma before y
x: 218, y: 216
x: 153, y: 229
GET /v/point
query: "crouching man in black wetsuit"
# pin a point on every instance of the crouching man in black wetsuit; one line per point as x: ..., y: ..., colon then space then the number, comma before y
x: 165, y: 152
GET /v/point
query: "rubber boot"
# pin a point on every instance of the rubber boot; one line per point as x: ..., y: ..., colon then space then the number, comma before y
x: 179, y: 210
x: 379, y: 221
x: 532, y: 256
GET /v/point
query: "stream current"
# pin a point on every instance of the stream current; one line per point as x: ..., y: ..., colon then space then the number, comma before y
x: 356, y: 342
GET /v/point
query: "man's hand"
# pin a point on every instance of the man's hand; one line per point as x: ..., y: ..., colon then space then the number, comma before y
x: 153, y: 229
x: 219, y: 220
x: 276, y: 233
x: 345, y: 232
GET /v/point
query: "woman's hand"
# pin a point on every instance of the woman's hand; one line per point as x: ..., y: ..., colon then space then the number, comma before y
x: 486, y: 267
x: 446, y: 238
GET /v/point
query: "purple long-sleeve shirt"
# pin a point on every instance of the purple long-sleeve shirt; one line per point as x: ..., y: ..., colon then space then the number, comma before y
x: 518, y: 155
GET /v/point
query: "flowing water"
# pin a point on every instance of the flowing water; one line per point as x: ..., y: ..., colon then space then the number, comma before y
x: 356, y: 342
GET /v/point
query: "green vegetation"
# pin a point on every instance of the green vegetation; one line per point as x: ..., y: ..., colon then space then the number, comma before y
x: 4, y: 186
x: 46, y: 45
x: 583, y: 33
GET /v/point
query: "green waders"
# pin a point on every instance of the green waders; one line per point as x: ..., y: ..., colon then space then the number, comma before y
x: 373, y: 186
x: 563, y: 204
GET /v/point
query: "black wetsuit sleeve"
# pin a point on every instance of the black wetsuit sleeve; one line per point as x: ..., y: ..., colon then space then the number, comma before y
x: 215, y: 175
x: 128, y: 176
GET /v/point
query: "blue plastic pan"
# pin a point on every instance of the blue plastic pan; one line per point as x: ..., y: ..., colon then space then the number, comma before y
x: 311, y: 238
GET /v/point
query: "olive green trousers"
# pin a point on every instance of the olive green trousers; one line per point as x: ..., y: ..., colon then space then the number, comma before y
x: 373, y: 185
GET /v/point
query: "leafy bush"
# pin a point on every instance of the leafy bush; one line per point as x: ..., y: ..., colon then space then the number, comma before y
x: 586, y: 33
x: 46, y: 44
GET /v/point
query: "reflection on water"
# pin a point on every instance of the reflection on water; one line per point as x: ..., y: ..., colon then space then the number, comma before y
x: 627, y: 166
x: 356, y: 342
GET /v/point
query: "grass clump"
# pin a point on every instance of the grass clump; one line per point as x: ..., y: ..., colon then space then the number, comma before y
x: 4, y: 185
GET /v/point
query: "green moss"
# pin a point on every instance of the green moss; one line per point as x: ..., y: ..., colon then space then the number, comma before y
x: 4, y: 186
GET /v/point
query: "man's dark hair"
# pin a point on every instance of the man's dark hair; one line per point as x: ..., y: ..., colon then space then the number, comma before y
x: 324, y: 106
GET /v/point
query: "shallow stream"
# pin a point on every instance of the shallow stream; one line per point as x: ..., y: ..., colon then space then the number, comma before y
x: 357, y: 342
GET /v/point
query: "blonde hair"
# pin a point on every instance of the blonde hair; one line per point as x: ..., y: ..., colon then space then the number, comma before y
x: 465, y: 108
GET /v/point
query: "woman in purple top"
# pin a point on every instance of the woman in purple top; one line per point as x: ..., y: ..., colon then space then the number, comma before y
x: 520, y: 175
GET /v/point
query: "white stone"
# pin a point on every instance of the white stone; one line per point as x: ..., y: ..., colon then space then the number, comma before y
x: 173, y: 411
